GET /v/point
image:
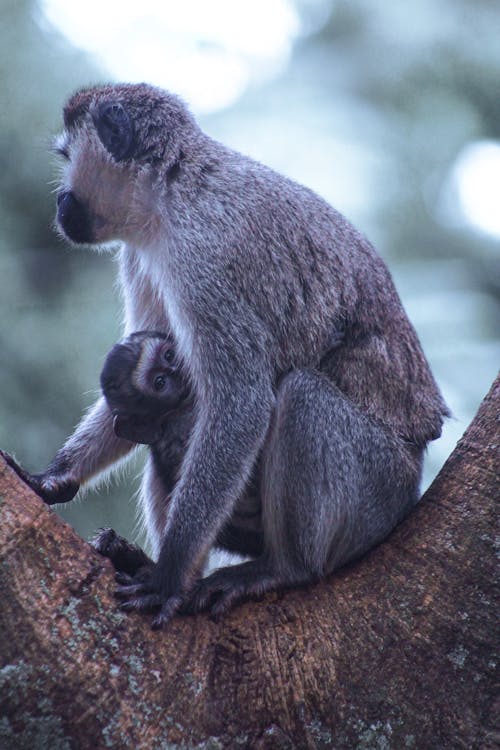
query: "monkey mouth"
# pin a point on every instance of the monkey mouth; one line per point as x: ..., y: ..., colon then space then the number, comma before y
x: 136, y: 429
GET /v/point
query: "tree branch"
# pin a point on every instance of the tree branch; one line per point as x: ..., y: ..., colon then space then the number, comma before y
x: 394, y: 651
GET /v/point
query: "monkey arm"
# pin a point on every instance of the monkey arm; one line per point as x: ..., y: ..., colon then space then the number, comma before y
x: 226, y: 443
x: 228, y: 436
x: 91, y: 449
x: 94, y: 447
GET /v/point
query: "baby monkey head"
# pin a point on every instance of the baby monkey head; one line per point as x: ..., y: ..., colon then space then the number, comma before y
x: 121, y: 143
x: 143, y: 383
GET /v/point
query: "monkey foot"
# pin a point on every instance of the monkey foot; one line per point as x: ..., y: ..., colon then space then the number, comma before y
x: 139, y: 593
x: 217, y: 593
x: 126, y: 557
x: 226, y: 587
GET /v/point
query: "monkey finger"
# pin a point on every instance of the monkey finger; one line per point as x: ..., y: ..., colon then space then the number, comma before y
x: 54, y: 492
x: 124, y: 592
x: 200, y: 598
x: 104, y: 540
x: 123, y: 578
x: 142, y: 603
x: 168, y: 610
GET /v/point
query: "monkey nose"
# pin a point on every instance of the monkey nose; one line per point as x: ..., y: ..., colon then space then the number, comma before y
x: 66, y: 197
x: 72, y: 218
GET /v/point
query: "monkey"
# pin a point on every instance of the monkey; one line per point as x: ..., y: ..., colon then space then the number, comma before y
x: 250, y: 272
x: 151, y: 403
x: 147, y: 395
x: 143, y: 383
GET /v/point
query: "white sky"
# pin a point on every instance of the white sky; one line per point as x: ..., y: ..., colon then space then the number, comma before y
x: 476, y: 176
x: 209, y: 51
x: 206, y: 51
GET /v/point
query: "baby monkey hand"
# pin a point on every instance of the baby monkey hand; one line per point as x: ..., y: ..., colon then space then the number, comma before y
x: 51, y: 488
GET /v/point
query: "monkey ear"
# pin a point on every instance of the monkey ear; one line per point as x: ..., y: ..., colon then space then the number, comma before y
x: 115, y: 129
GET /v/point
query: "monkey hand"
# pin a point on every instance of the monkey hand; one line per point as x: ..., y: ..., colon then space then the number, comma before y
x: 145, y: 592
x: 126, y: 557
x: 51, y: 488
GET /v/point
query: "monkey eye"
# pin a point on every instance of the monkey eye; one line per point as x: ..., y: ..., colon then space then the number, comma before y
x: 62, y: 151
x: 159, y: 382
x: 169, y: 356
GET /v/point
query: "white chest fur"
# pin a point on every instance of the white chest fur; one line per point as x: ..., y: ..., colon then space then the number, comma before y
x: 166, y: 297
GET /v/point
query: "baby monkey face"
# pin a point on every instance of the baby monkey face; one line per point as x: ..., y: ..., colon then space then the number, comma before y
x: 142, y: 382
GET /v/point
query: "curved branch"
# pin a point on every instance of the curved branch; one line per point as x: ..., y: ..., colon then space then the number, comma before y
x: 393, y: 651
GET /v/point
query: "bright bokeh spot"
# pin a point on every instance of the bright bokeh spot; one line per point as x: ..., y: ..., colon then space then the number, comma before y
x: 208, y: 52
x: 476, y: 178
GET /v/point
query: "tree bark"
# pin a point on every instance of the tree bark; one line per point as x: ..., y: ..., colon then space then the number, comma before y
x: 395, y: 651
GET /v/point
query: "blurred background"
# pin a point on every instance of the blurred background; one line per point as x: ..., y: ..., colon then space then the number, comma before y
x: 389, y: 110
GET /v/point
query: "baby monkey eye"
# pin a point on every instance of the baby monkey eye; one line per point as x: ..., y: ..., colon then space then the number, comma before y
x: 159, y: 382
x: 169, y: 356
x: 62, y: 151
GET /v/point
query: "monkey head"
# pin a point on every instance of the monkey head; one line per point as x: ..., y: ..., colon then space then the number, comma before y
x: 142, y: 383
x: 118, y: 142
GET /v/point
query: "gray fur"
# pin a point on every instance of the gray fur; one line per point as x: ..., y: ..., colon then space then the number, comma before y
x: 164, y: 418
x: 155, y: 502
x: 252, y: 273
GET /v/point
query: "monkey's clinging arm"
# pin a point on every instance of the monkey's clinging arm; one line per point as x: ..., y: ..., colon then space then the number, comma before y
x: 61, y: 492
x: 91, y: 449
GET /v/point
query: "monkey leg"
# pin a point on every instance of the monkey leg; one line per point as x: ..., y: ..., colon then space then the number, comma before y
x: 226, y: 587
x: 127, y: 558
x: 243, y: 532
x: 240, y: 540
x: 155, y: 498
x: 333, y: 484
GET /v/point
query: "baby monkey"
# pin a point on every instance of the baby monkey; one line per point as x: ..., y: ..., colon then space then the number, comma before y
x: 152, y: 402
x: 148, y: 397
x: 143, y: 384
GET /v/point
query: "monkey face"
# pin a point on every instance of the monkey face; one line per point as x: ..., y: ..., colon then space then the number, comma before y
x: 118, y: 143
x: 143, y: 383
x: 96, y: 198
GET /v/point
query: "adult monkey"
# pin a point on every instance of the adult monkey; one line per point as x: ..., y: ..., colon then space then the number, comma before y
x: 251, y: 273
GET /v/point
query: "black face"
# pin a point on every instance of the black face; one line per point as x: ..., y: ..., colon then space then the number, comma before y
x: 73, y: 218
x: 139, y: 412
